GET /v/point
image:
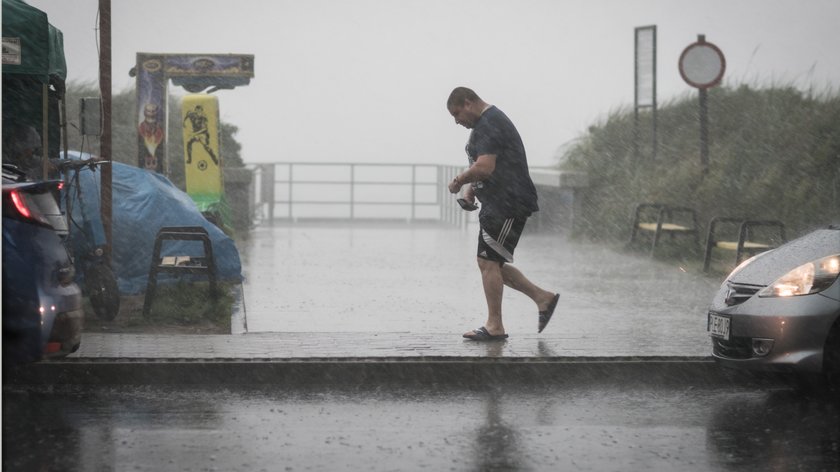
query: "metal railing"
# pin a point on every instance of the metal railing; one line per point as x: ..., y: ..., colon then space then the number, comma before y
x: 371, y: 191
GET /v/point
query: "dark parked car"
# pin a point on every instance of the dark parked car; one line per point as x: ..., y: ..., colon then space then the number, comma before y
x: 780, y: 310
x: 42, y: 306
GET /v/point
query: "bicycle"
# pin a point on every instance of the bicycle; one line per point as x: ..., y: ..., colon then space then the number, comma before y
x: 100, y: 283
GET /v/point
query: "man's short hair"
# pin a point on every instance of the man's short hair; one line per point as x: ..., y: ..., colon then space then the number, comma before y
x: 459, y: 96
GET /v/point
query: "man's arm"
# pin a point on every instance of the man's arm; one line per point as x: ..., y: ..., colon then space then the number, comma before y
x: 469, y: 193
x: 483, y: 167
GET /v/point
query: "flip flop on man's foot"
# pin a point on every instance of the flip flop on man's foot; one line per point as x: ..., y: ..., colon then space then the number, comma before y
x: 545, y: 316
x: 481, y: 334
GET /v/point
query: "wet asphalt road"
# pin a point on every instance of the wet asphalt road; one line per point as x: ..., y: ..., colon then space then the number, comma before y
x: 458, y: 428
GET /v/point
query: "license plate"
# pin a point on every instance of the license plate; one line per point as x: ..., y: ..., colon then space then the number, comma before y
x: 718, y: 326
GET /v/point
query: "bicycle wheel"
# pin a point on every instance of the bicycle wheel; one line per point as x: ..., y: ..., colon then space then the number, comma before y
x: 103, y: 292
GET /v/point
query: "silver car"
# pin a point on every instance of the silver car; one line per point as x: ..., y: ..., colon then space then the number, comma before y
x: 780, y: 310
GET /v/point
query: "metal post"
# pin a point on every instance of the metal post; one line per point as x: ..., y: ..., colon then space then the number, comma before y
x: 45, y: 130
x: 655, y: 105
x: 291, y: 171
x: 352, y: 191
x: 267, y: 184
x: 413, y: 191
x: 636, y: 134
x: 444, y: 215
x: 443, y: 206
x: 636, y: 99
x: 704, y: 132
x: 63, y: 117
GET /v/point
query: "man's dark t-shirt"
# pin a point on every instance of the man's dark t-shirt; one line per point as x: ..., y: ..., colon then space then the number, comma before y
x: 509, y: 191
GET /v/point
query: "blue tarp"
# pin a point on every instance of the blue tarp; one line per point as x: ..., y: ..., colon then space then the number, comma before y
x: 143, y: 203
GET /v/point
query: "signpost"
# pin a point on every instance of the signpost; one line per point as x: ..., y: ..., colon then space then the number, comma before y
x: 645, y: 83
x: 702, y: 66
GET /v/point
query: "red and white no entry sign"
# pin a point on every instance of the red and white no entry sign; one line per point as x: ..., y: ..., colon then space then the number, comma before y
x: 702, y: 64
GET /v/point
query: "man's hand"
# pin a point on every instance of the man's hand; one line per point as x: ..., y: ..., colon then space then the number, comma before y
x: 469, y: 194
x: 455, y: 185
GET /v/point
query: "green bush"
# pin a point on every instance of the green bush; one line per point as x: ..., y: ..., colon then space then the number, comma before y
x: 773, y: 154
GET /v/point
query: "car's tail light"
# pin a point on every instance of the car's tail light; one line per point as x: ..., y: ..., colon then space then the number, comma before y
x: 19, y: 201
x: 35, y: 204
x: 24, y: 205
x: 806, y: 279
x: 52, y: 347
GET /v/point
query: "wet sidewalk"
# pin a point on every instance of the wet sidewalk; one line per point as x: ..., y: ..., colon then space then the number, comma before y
x: 399, y: 291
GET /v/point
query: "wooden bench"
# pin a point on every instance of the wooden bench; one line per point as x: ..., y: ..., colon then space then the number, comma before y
x: 745, y: 242
x: 660, y: 219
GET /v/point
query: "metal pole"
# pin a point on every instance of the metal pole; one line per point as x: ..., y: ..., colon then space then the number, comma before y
x: 704, y: 132
x: 444, y: 207
x: 270, y: 184
x: 636, y: 134
x: 413, y: 191
x: 444, y: 215
x: 636, y: 98
x: 45, y: 130
x: 105, y: 141
x: 291, y: 178
x: 63, y: 117
x: 352, y: 190
x: 655, y: 104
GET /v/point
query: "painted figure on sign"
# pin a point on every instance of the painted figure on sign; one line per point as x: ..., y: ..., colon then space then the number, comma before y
x: 150, y: 136
x: 200, y: 134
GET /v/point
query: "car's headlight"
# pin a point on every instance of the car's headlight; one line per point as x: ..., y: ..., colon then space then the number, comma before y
x: 806, y: 279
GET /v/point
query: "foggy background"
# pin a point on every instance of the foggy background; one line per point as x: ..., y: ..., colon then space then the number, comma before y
x: 367, y: 80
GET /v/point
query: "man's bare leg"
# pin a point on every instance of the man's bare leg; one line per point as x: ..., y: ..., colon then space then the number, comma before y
x: 516, y: 280
x: 491, y: 278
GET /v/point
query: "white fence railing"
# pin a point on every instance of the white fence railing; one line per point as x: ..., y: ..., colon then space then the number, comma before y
x: 296, y: 191
x: 355, y: 191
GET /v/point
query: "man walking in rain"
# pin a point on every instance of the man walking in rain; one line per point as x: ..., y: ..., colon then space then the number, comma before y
x: 498, y: 177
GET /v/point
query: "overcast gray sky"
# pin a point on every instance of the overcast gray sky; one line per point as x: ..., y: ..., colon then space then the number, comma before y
x: 367, y: 80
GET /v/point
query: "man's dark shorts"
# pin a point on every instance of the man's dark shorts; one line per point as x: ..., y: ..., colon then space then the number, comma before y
x: 498, y: 237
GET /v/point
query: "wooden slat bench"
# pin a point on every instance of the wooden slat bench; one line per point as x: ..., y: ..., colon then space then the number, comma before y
x: 659, y: 219
x: 746, y: 243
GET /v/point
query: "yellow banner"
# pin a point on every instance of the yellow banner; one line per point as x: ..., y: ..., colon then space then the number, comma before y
x: 202, y: 160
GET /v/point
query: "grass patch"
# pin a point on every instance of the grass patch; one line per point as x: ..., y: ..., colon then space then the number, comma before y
x: 191, y: 303
x: 180, y: 308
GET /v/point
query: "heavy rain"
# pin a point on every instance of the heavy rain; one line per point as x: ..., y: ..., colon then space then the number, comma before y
x: 263, y: 265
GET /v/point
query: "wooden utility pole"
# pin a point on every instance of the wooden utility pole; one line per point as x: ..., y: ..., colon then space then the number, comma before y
x: 105, y: 140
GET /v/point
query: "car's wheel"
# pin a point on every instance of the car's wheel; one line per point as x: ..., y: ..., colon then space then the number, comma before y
x: 831, y: 357
x: 104, y: 294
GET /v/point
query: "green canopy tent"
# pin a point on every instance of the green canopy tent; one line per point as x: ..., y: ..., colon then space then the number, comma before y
x: 34, y: 73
